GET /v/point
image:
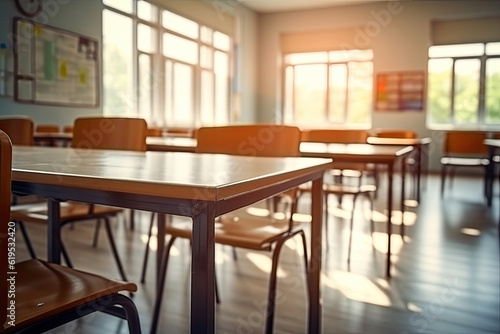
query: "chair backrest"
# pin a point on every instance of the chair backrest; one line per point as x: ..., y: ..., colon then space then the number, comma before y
x: 113, y: 133
x: 405, y: 134
x: 5, y: 191
x: 253, y: 140
x: 465, y: 143
x: 48, y: 128
x: 339, y: 136
x: 155, y: 132
x: 18, y: 128
x: 68, y: 128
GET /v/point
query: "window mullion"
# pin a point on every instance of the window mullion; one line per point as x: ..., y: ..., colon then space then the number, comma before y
x: 452, y: 104
x: 327, y: 92
x: 482, y: 92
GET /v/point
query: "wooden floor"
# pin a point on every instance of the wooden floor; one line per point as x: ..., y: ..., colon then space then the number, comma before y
x: 445, y: 273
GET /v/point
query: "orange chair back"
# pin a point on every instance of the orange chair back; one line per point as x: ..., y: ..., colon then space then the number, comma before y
x: 18, y: 128
x: 113, y: 133
x: 5, y: 197
x: 47, y: 128
x: 335, y: 136
x: 253, y: 140
x: 68, y: 129
x: 155, y: 132
x: 465, y: 143
x: 405, y: 134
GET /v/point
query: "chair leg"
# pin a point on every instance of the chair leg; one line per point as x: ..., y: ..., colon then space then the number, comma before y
x: 351, y: 224
x: 443, y: 178
x: 65, y: 255
x: 452, y: 175
x: 326, y: 220
x: 95, y: 240
x: 306, y: 260
x: 131, y: 313
x: 271, y: 296
x: 146, y: 252
x: 27, y: 239
x: 113, y: 249
x: 161, y: 286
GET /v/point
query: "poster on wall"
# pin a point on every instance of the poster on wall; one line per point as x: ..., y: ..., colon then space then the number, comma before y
x: 400, y: 91
x: 54, y: 66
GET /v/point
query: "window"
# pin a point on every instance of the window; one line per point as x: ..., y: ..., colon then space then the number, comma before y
x: 328, y: 88
x: 464, y: 85
x: 164, y: 67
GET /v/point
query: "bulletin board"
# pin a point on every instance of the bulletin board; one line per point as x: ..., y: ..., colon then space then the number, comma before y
x: 54, y: 66
x: 400, y: 91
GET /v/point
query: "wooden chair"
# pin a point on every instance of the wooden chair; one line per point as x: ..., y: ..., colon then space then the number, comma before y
x: 68, y: 128
x: 463, y: 149
x: 239, y: 229
x: 91, y: 133
x: 18, y: 128
x: 155, y: 132
x: 395, y: 133
x: 340, y: 189
x: 47, y: 295
x: 47, y: 128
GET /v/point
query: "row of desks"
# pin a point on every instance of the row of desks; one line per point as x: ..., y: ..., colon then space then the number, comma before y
x: 201, y: 186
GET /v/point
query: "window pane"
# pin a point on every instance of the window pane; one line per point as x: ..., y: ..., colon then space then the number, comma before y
x: 146, y: 38
x: 123, y: 5
x: 288, y: 108
x: 147, y: 11
x: 493, y: 49
x: 117, y: 65
x: 183, y: 95
x: 306, y: 58
x: 458, y: 50
x: 180, y: 48
x: 493, y: 90
x: 206, y: 35
x: 439, y: 90
x: 466, y: 90
x: 310, y: 93
x: 338, y: 93
x: 206, y: 59
x: 145, y: 88
x: 207, y: 98
x: 221, y: 70
x: 180, y: 24
x: 360, y: 87
x: 222, y: 41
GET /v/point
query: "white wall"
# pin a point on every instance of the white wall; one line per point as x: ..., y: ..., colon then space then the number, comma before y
x: 80, y: 16
x: 400, y: 44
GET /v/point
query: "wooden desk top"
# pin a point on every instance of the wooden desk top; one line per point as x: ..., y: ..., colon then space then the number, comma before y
x: 363, y: 153
x: 210, y: 177
x: 398, y: 141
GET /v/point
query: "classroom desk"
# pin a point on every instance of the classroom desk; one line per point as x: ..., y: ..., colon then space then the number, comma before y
x: 200, y: 186
x: 417, y: 143
x: 171, y: 144
x: 366, y: 153
x: 53, y: 138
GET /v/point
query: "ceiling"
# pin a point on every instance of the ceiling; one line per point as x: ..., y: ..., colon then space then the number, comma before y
x: 272, y: 6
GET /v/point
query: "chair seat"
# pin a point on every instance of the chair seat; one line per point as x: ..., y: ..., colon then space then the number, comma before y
x: 465, y: 162
x: 343, y: 189
x: 46, y: 289
x: 70, y: 211
x: 239, y: 229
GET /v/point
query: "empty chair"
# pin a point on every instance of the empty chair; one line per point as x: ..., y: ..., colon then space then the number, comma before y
x: 48, y: 295
x: 394, y: 133
x: 463, y: 149
x: 47, y: 128
x: 68, y: 128
x: 18, y: 128
x: 239, y: 229
x: 92, y: 133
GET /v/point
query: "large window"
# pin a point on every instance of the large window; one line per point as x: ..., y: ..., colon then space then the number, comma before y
x: 464, y: 85
x: 164, y: 67
x: 328, y: 88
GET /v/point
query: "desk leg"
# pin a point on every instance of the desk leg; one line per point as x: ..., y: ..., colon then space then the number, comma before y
x: 160, y: 249
x: 403, y: 177
x: 490, y: 175
x: 54, y: 231
x: 202, y: 270
x: 419, y: 170
x: 316, y: 253
x: 390, y: 171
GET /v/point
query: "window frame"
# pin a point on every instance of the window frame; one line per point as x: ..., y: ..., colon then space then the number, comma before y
x: 481, y: 111
x: 157, y: 79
